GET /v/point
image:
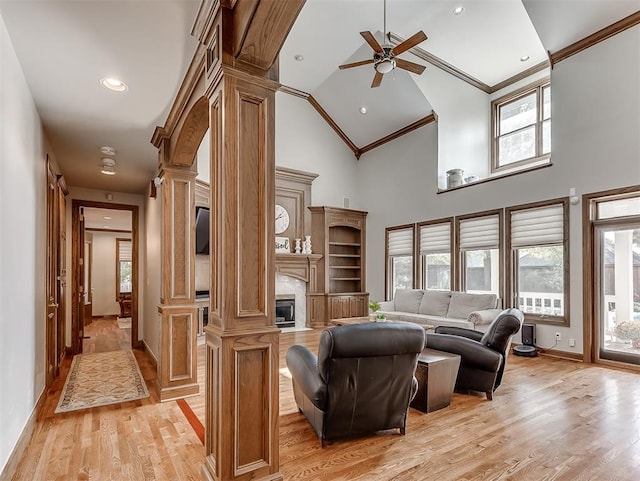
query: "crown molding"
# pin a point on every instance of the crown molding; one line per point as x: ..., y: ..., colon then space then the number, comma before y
x: 323, y: 113
x: 432, y: 117
x: 520, y: 76
x: 441, y: 64
x: 399, y: 133
x: 597, y: 37
x: 293, y: 91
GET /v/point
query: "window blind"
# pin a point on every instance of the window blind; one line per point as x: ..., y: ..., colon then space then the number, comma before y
x: 435, y: 238
x: 480, y: 232
x: 538, y: 226
x: 124, y: 250
x: 400, y: 242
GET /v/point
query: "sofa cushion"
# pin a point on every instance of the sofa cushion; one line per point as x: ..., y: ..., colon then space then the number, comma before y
x: 462, y: 304
x: 408, y: 300
x: 435, y: 303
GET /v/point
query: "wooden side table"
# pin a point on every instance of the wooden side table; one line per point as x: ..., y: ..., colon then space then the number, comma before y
x: 436, y: 374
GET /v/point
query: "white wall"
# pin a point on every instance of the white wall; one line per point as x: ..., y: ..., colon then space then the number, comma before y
x: 153, y: 274
x: 397, y: 185
x: 22, y: 250
x: 118, y: 198
x: 103, y: 273
x: 464, y: 120
x: 304, y: 141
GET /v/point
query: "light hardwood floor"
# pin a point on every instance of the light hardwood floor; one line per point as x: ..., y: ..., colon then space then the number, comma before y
x: 103, y: 334
x: 551, y: 419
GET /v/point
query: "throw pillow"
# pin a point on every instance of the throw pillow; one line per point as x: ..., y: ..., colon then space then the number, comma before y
x: 462, y: 304
x: 435, y: 303
x: 408, y: 300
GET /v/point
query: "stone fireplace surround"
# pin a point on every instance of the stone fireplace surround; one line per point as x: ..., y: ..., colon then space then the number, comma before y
x: 296, y: 276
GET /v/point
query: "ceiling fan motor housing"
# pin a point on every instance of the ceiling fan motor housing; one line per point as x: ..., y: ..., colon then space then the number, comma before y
x: 384, y: 62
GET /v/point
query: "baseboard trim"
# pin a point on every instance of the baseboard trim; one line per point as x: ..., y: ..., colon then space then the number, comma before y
x: 11, y: 467
x: 149, y: 352
x: 572, y: 356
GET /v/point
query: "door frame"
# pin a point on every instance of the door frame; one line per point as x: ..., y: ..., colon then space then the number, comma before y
x: 590, y: 282
x: 76, y: 328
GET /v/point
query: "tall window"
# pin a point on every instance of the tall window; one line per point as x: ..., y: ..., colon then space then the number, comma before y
x: 480, y: 253
x: 522, y: 128
x: 539, y: 260
x: 124, y: 263
x: 399, y: 258
x: 435, y: 255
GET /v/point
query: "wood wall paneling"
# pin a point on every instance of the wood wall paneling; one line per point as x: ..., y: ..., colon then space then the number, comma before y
x: 177, y: 368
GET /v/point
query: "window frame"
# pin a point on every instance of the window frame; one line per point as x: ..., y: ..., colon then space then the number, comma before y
x: 512, y: 264
x: 118, y: 241
x: 537, y: 88
x: 460, y: 278
x: 388, y: 266
x: 418, y: 259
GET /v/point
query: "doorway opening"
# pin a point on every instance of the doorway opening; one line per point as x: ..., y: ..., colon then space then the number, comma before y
x: 105, y: 276
x: 615, y: 233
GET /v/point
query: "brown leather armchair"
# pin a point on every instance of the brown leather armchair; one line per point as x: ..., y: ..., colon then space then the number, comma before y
x: 362, y: 380
x: 484, y: 354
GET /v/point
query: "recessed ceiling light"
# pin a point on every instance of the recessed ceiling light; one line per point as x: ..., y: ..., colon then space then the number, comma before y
x: 114, y: 84
x: 105, y: 226
x: 107, y: 150
x: 524, y: 58
x: 458, y: 10
x: 298, y: 57
x: 108, y: 166
x: 363, y: 110
x: 106, y: 217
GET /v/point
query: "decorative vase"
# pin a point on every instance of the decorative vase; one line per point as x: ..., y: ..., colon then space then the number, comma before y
x: 307, y: 245
x: 297, y: 247
x: 454, y: 178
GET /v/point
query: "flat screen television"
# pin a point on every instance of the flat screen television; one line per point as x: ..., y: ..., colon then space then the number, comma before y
x: 202, y: 230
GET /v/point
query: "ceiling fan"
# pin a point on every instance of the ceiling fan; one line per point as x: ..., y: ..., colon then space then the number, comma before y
x: 384, y: 56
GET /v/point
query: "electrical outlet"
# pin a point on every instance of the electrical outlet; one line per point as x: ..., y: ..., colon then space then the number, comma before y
x: 572, y: 343
x: 558, y: 336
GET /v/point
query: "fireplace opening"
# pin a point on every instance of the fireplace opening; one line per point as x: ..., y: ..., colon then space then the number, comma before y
x: 285, y: 311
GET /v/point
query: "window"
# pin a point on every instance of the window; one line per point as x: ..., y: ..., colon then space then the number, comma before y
x: 124, y: 265
x: 399, y: 259
x: 539, y: 260
x: 480, y: 253
x: 522, y: 128
x: 435, y: 255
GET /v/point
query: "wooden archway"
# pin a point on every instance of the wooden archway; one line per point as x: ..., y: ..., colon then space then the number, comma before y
x: 234, y: 69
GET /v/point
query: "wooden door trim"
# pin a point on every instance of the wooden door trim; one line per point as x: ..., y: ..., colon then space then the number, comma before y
x: 75, y: 214
x: 589, y: 317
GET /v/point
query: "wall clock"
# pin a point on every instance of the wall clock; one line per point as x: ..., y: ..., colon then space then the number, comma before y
x: 282, y: 219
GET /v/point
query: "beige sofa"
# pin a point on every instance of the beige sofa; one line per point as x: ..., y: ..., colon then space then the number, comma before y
x: 442, y: 308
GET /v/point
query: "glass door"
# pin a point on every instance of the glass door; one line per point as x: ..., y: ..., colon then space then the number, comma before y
x: 618, y: 290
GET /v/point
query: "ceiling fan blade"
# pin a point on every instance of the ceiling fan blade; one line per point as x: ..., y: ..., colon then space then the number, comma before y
x: 371, y: 40
x: 355, y: 64
x: 410, y: 66
x: 377, y: 80
x: 411, y: 42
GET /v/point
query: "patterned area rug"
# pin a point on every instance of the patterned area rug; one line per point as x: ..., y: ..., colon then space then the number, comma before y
x: 100, y: 379
x: 124, y: 322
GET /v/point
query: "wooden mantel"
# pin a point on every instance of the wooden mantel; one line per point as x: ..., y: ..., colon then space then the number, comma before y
x: 300, y: 266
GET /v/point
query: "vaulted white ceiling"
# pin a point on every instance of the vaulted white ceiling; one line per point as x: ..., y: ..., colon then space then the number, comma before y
x: 66, y: 46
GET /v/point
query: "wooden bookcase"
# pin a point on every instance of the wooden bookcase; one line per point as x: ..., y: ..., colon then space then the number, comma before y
x: 340, y: 236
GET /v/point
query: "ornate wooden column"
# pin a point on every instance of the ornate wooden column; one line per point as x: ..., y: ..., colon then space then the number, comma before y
x: 243, y: 39
x: 177, y: 365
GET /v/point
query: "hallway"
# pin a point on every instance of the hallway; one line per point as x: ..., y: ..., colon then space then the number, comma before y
x: 104, y: 334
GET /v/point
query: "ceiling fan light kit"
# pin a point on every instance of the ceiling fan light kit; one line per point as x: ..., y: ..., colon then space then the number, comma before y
x: 384, y: 56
